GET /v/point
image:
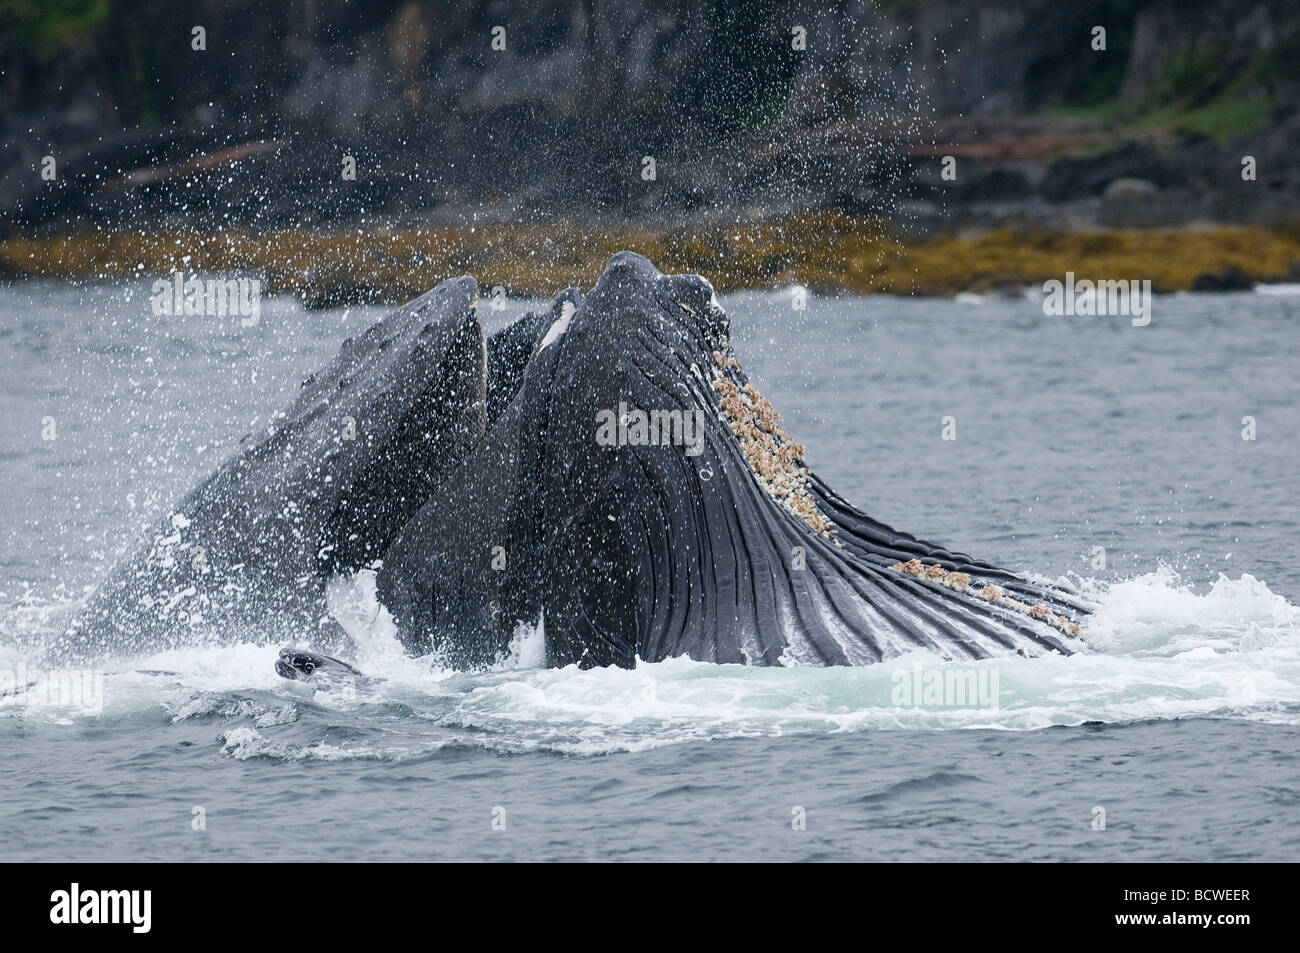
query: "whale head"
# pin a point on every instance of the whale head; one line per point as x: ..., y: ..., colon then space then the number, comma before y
x: 304, y: 666
x: 640, y: 495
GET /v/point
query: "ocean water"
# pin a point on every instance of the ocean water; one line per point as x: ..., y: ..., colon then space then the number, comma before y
x: 1084, y: 448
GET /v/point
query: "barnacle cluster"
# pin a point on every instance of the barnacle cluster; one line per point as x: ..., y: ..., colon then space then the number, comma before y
x: 777, y: 463
x: 993, y: 594
x: 773, y: 456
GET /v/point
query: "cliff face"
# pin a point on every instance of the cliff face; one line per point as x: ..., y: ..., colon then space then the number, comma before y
x: 753, y: 107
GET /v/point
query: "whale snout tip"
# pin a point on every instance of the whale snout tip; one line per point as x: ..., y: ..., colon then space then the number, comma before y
x: 297, y: 665
x: 630, y: 262
x: 302, y: 665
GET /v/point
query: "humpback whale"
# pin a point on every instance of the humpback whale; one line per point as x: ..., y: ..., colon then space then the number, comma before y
x: 603, y: 467
x: 638, y: 549
x: 322, y: 490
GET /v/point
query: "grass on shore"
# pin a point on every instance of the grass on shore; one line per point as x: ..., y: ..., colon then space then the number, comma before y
x: 824, y: 251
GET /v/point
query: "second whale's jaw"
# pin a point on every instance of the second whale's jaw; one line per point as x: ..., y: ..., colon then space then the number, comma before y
x: 462, y: 574
x: 323, y: 489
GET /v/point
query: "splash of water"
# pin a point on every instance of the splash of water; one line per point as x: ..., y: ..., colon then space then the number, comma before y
x: 1160, y: 650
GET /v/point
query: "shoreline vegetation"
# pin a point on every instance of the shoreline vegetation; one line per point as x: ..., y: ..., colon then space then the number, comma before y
x: 826, y: 252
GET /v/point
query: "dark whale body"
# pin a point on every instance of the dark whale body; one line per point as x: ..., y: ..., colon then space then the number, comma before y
x: 646, y: 552
x: 493, y: 501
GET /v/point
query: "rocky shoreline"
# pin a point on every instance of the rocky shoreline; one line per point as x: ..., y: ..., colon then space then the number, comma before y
x: 905, y: 146
x: 825, y: 252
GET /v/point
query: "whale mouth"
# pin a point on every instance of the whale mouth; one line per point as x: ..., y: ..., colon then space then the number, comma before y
x: 637, y: 542
x: 603, y: 465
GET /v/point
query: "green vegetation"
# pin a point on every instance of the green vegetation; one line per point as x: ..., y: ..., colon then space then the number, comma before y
x: 1222, y: 120
x: 1236, y: 111
x: 45, y: 27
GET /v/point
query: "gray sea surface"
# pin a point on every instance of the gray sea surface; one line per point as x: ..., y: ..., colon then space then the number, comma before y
x: 1085, y: 448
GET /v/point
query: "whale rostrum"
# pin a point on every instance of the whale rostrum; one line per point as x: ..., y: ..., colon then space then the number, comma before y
x: 602, y: 466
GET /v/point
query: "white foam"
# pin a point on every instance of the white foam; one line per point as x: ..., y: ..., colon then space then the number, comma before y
x: 527, y: 648
x: 1160, y: 649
